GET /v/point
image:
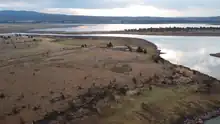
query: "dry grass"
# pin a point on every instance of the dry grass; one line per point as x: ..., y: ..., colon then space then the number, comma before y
x: 32, y: 77
x: 42, y: 79
x: 159, y: 106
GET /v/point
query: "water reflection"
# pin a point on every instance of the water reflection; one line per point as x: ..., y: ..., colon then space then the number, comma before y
x: 118, y: 27
x: 192, y: 52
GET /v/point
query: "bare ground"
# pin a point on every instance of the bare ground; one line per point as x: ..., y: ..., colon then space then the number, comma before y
x: 55, y: 80
x: 9, y: 28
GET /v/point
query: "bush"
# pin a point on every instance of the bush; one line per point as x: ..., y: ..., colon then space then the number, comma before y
x: 30, y: 36
x: 109, y: 45
x: 157, y: 59
x: 129, y: 48
x: 134, y: 80
x: 140, y: 50
x: 145, y: 51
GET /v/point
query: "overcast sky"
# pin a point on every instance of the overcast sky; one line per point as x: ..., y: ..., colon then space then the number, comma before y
x: 118, y: 7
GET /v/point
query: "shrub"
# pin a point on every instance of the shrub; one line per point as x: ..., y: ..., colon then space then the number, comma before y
x: 134, y: 80
x: 139, y: 50
x: 2, y: 95
x: 156, y: 58
x: 109, y: 45
x: 145, y: 51
x: 129, y: 48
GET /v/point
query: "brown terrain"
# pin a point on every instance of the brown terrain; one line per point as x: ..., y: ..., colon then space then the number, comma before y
x: 98, y: 80
x: 8, y: 28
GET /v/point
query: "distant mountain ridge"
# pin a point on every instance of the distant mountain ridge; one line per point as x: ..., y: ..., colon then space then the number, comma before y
x: 10, y: 16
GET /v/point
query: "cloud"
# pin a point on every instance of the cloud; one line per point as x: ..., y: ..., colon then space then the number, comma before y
x: 24, y: 4
x: 133, y: 10
x: 119, y: 7
x: 136, y: 10
x: 12, y: 5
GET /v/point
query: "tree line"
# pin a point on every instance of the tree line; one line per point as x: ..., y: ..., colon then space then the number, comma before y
x: 174, y: 29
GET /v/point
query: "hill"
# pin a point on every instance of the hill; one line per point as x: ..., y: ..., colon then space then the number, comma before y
x: 9, y: 16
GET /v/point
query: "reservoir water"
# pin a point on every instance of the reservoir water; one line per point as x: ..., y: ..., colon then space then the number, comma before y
x: 116, y: 27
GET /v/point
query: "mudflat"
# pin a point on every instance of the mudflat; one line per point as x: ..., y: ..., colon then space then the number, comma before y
x: 99, y: 80
x: 8, y: 28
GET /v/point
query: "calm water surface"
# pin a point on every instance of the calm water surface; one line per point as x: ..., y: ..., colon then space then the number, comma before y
x: 117, y: 27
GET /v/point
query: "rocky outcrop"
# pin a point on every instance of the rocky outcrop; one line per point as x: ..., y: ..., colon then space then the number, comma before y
x: 215, y: 55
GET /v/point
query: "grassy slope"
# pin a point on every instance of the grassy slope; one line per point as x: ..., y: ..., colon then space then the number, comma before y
x: 162, y: 105
x: 165, y: 104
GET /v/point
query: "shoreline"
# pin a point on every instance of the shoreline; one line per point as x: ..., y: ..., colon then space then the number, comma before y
x: 120, y: 88
x: 211, y: 34
x: 217, y: 55
x: 199, y: 117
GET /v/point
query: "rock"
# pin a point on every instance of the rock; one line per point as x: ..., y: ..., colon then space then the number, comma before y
x: 150, y: 88
x: 51, y: 92
x: 35, y: 108
x: 134, y: 80
x: 15, y: 110
x: 199, y: 121
x: 20, y: 97
x: 57, y: 97
x: 12, y: 73
x: 116, y: 98
x: 123, y: 90
x: 79, y: 88
x: 133, y: 92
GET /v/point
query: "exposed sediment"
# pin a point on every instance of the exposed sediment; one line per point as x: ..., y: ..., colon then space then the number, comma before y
x: 91, y: 102
x: 121, y: 86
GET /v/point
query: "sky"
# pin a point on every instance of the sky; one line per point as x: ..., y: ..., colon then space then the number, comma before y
x: 161, y: 8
